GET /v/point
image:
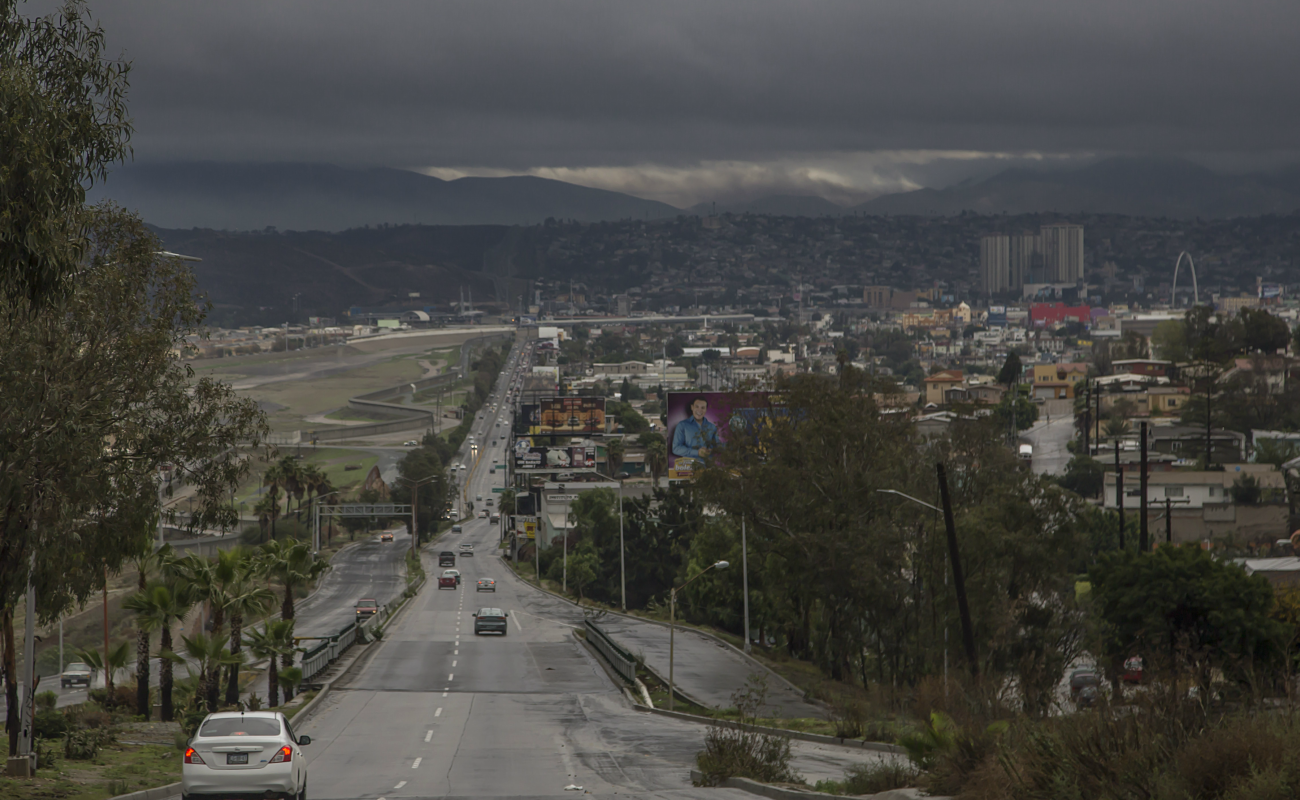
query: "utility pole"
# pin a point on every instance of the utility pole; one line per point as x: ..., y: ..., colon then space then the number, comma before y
x: 1087, y: 418
x: 958, y: 578
x: 1169, y: 521
x: 1143, y: 541
x: 1119, y: 493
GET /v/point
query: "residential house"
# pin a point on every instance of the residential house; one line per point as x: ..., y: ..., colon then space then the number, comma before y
x: 1201, y: 503
x: 938, y: 384
x: 1185, y: 441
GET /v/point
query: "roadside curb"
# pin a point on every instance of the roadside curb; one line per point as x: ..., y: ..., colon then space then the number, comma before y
x: 782, y: 793
x: 753, y: 661
x: 816, y: 738
x: 156, y: 793
x: 774, y: 792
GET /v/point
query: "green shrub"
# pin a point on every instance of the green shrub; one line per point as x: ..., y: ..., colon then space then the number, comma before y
x: 46, y: 701
x: 735, y: 752
x: 880, y: 776
x: 50, y: 724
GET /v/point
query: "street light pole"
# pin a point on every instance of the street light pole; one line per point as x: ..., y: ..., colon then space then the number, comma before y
x: 958, y: 578
x: 672, y: 624
x: 744, y: 579
x: 622, y: 567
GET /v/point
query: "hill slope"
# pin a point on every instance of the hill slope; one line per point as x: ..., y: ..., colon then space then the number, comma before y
x: 329, y: 198
x: 1134, y: 186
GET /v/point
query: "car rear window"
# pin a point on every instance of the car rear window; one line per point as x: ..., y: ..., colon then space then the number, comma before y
x: 241, y: 726
x: 490, y: 613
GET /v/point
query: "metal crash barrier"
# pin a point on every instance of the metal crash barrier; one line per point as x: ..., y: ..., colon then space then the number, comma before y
x: 621, y: 660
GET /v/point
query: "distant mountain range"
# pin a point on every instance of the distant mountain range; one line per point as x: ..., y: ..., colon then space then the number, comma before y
x: 323, y: 197
x: 1133, y: 186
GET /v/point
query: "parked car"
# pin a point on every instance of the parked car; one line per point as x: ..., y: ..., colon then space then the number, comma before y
x: 75, y: 673
x: 246, y: 754
x: 490, y: 620
x: 1082, y: 678
x: 486, y: 585
x: 449, y: 579
x: 367, y: 607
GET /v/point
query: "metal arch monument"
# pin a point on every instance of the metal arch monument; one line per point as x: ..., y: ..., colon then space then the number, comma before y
x: 1173, y: 293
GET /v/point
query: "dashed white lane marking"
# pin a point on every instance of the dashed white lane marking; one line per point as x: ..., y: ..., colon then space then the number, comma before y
x: 416, y: 764
x: 453, y: 663
x: 428, y: 736
x: 455, y: 652
x: 515, y: 616
x: 444, y: 693
x: 399, y: 785
x: 437, y: 713
x: 450, y: 675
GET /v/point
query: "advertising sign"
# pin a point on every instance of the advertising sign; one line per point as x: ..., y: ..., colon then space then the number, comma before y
x: 699, y: 422
x: 1269, y: 291
x: 571, y: 415
x: 531, y: 456
x: 526, y: 527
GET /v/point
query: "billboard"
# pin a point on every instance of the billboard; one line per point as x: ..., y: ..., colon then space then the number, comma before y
x: 571, y: 415
x: 699, y: 422
x: 532, y: 456
x: 525, y: 527
x: 1270, y: 291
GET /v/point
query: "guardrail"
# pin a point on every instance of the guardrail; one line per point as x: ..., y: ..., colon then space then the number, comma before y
x: 318, y: 659
x: 621, y: 660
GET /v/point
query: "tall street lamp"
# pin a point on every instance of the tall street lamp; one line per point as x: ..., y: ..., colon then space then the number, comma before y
x: 954, y: 558
x: 672, y: 623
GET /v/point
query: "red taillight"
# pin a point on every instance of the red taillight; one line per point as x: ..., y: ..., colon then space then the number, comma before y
x: 285, y: 755
x: 192, y: 756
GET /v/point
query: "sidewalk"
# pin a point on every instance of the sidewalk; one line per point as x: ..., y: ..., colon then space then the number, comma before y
x: 705, y: 669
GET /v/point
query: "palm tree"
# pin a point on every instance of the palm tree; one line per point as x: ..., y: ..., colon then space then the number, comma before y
x: 267, y: 511
x: 268, y: 508
x: 289, y: 678
x: 209, y: 653
x: 294, y: 566
x: 144, y: 564
x: 110, y: 666
x: 159, y: 607
x: 614, y: 453
x: 245, y: 598
x: 1116, y: 427
x: 275, y: 639
x: 656, y: 458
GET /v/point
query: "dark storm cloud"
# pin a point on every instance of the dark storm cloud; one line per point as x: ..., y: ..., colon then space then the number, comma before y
x: 520, y: 86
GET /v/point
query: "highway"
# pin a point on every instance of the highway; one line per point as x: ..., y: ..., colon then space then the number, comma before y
x: 435, y: 711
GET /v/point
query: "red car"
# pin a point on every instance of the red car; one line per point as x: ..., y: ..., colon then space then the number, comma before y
x: 449, y: 579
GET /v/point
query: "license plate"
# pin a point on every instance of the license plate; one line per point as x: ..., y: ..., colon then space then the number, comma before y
x: 237, y: 758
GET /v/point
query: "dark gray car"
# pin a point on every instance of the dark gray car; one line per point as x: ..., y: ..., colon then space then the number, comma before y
x: 490, y: 620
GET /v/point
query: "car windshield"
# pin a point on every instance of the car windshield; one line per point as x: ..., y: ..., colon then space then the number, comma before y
x: 366, y: 603
x: 241, y: 726
x: 77, y: 666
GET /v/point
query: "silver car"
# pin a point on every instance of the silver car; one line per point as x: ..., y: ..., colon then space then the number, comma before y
x: 251, y: 754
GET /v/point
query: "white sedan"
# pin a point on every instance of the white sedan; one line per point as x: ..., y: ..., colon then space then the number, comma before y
x: 245, y: 753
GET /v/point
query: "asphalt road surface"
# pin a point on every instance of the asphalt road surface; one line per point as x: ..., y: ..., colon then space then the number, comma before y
x: 369, y: 568
x: 1049, y: 440
x: 436, y: 711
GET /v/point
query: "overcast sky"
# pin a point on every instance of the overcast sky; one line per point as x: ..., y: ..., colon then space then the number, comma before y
x: 693, y: 101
